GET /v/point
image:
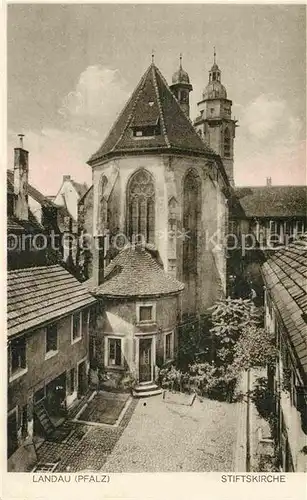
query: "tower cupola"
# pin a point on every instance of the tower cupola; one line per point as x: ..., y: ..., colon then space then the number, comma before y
x: 214, y: 123
x: 215, y: 89
x: 181, y: 87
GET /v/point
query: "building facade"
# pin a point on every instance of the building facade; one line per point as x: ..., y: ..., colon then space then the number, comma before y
x: 284, y: 276
x: 37, y: 228
x: 155, y: 180
x: 262, y: 219
x: 48, y: 315
x: 141, y: 308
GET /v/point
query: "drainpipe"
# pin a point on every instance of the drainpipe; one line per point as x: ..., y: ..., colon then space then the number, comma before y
x: 101, y: 257
x: 248, y: 429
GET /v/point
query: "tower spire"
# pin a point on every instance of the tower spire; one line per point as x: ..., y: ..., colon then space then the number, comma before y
x: 152, y: 56
x: 180, y: 60
x: 214, y: 55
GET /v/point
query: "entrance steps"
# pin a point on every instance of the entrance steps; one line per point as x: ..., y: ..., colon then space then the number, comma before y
x: 146, y: 389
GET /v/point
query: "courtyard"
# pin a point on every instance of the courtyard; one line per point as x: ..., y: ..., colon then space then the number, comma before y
x: 178, y: 433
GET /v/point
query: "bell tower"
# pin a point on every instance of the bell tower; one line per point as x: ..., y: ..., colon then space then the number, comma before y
x: 181, y: 88
x: 214, y: 123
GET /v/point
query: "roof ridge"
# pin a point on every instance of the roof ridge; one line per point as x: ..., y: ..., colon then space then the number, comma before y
x: 183, y: 113
x: 135, y: 94
x: 12, y: 271
x: 164, y: 131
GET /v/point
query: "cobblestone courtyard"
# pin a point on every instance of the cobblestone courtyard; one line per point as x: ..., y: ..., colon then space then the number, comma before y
x: 155, y: 435
x: 165, y: 437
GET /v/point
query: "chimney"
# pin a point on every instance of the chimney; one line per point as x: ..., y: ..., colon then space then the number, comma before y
x: 21, y: 174
x: 66, y: 178
x: 269, y: 181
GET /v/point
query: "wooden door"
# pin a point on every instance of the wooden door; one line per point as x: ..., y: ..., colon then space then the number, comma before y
x: 145, y: 361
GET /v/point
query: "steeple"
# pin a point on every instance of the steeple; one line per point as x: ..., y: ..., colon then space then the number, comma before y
x: 214, y: 123
x: 181, y: 87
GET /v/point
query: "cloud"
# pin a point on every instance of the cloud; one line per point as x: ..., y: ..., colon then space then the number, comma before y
x: 99, y: 95
x: 87, y: 113
x: 263, y: 116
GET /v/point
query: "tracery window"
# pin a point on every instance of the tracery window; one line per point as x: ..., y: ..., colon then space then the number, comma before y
x: 141, y: 206
x: 191, y: 221
x: 102, y: 205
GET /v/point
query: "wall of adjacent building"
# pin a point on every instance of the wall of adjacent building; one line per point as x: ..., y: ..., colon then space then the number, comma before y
x: 119, y: 319
x: 41, y: 371
x: 289, y: 418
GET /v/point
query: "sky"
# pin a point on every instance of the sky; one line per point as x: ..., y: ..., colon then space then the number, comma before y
x: 71, y: 68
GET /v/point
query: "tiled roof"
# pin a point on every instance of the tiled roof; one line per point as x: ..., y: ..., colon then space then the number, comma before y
x: 40, y: 294
x: 85, y: 194
x: 285, y: 275
x: 28, y: 226
x: 135, y: 272
x: 152, y: 101
x: 14, y: 224
x: 271, y: 201
x: 80, y: 188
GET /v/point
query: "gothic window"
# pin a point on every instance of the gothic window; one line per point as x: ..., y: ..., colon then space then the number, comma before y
x: 102, y: 205
x: 141, y: 206
x: 227, y: 143
x: 191, y: 221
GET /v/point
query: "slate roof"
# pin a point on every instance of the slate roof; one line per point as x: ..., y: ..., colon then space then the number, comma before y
x: 152, y: 101
x: 137, y: 272
x: 41, y: 294
x: 285, y: 276
x: 270, y: 201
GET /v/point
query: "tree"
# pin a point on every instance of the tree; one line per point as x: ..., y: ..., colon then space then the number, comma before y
x: 254, y: 348
x: 230, y: 317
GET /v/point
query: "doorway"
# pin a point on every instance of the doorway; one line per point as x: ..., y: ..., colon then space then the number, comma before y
x: 145, y: 360
x: 82, y: 379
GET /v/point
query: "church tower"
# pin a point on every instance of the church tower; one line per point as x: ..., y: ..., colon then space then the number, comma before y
x: 181, y: 88
x: 214, y: 123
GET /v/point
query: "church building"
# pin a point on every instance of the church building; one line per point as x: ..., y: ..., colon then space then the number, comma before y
x: 157, y: 185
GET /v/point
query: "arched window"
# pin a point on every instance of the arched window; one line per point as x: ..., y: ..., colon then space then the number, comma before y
x: 141, y: 206
x: 191, y: 221
x: 102, y: 205
x: 227, y: 143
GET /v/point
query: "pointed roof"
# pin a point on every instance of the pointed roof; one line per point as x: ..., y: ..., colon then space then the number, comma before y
x: 152, y: 103
x: 137, y: 271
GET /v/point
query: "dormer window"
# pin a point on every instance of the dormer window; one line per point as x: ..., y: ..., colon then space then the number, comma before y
x: 146, y: 130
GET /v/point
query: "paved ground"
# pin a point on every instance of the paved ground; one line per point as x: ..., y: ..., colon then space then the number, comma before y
x: 155, y: 435
x: 167, y: 437
x: 87, y: 447
x: 105, y: 408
